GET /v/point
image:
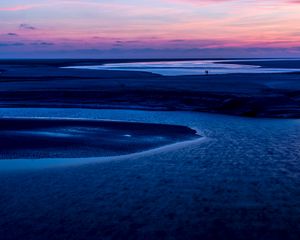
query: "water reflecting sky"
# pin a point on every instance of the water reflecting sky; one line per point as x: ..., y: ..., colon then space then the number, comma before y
x: 177, y: 68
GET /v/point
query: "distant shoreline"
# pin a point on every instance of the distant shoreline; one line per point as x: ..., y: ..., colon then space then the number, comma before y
x: 194, y: 67
x: 41, y: 83
x: 64, y: 62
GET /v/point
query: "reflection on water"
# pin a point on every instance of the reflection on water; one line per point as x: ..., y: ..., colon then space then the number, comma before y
x: 177, y: 68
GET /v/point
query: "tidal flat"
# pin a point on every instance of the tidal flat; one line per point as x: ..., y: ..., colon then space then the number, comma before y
x: 46, y: 83
x: 242, y: 182
x: 103, y: 154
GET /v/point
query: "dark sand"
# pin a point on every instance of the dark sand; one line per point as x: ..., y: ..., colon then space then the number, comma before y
x: 242, y: 182
x: 42, y: 138
x: 41, y: 83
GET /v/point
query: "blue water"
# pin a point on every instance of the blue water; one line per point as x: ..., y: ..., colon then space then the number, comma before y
x: 242, y: 182
x: 176, y: 68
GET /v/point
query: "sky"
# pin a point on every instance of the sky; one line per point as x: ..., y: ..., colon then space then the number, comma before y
x: 149, y: 28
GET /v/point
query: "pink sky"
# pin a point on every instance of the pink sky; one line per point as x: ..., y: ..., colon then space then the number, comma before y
x: 166, y: 28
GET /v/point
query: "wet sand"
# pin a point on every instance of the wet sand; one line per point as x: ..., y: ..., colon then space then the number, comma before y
x: 42, y: 83
x: 241, y: 183
x: 23, y: 138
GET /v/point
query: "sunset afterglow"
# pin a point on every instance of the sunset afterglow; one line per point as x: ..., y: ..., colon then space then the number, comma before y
x: 150, y: 28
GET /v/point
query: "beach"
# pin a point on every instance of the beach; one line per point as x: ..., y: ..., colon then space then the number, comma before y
x: 101, y: 154
x: 33, y: 138
x: 254, y: 95
x: 150, y: 120
x: 242, y: 182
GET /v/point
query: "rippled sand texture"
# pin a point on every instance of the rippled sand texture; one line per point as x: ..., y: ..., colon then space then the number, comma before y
x: 242, y: 183
x: 60, y: 138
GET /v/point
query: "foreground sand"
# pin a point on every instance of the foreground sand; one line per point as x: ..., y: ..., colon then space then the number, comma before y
x: 35, y: 138
x: 241, y: 183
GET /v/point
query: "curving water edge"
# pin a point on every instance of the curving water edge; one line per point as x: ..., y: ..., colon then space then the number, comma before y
x: 197, y: 67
